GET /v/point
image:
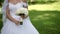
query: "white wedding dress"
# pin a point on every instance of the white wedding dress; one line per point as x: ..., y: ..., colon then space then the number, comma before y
x: 11, y: 28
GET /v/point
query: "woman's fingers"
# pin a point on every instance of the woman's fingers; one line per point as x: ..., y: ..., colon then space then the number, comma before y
x: 17, y: 23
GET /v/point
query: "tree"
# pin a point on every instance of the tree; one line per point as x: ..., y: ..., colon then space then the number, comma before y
x: 1, y: 1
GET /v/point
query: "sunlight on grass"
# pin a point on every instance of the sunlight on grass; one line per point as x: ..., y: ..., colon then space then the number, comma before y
x: 48, y: 23
x: 44, y: 16
x: 43, y: 7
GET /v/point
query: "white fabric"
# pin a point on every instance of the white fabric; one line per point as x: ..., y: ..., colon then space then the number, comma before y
x: 11, y: 28
x: 4, y: 10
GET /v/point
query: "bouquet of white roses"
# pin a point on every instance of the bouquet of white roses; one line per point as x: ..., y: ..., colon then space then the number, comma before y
x: 22, y: 12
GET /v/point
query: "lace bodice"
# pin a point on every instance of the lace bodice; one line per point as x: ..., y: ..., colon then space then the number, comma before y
x: 13, y: 7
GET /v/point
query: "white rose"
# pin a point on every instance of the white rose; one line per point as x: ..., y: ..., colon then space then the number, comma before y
x: 22, y: 10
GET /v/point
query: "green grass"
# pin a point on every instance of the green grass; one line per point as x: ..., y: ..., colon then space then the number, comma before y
x: 46, y: 22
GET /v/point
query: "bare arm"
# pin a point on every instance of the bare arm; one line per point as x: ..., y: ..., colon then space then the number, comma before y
x: 10, y: 17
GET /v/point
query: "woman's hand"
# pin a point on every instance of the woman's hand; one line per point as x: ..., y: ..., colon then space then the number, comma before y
x: 17, y: 22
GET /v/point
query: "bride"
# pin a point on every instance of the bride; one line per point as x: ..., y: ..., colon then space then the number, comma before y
x: 11, y: 21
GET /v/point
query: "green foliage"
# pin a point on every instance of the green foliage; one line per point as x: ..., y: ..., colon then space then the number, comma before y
x: 42, y: 1
x: 0, y: 21
x: 1, y: 1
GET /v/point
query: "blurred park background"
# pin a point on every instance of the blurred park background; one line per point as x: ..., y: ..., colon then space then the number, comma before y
x: 44, y: 14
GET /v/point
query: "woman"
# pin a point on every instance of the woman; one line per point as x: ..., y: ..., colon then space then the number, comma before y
x: 11, y: 21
